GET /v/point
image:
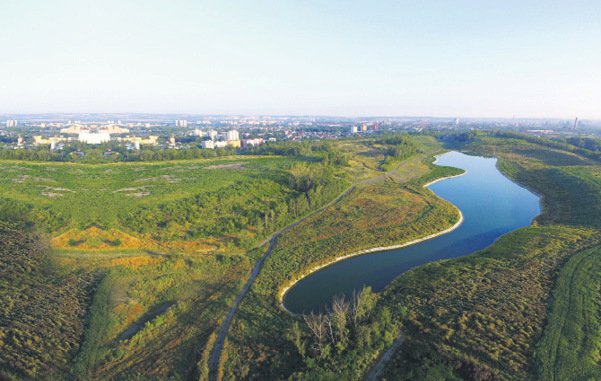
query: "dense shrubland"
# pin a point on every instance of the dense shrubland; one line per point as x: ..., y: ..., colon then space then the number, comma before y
x: 592, y: 144
x: 42, y: 308
x: 341, y: 342
x: 258, y: 206
x: 397, y: 148
x: 326, y: 152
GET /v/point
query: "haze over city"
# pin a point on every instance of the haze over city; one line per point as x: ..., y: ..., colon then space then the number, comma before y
x: 347, y: 58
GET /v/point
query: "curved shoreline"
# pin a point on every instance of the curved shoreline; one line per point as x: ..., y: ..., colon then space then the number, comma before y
x: 310, y: 271
x: 444, y: 178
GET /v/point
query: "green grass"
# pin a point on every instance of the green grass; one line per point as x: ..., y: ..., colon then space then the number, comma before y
x: 571, y: 344
x: 67, y: 195
x: 222, y: 205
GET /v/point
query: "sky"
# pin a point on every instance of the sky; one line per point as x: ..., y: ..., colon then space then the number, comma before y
x: 460, y: 58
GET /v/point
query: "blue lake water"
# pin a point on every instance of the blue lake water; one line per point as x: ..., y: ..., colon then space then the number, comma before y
x: 492, y: 205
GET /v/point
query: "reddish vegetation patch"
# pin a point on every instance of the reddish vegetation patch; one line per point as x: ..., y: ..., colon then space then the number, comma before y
x: 135, y: 262
x: 94, y: 238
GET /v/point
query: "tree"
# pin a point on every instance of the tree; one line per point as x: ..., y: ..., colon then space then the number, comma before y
x: 317, y: 326
x: 302, y: 178
x: 296, y: 337
x: 339, y: 316
x: 361, y: 304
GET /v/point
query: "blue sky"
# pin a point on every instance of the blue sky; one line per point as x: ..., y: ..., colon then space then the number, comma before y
x: 439, y: 58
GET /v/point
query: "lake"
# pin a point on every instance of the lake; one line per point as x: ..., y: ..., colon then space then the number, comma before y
x: 492, y: 205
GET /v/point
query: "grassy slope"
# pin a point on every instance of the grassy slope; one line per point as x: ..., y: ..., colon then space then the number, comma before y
x: 382, y: 210
x: 571, y: 345
x: 484, y: 317
x: 173, y: 301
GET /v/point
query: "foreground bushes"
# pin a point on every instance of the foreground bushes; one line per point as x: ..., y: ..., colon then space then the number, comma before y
x: 42, y: 309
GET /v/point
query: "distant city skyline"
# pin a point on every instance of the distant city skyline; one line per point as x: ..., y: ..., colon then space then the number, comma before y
x: 536, y: 59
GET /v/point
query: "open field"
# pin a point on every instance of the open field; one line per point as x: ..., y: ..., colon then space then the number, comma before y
x: 209, y: 204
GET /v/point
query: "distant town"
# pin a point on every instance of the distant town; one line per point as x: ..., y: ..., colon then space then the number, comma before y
x: 55, y: 132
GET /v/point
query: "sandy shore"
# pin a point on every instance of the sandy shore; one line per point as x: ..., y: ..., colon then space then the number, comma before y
x: 444, y: 178
x: 374, y: 249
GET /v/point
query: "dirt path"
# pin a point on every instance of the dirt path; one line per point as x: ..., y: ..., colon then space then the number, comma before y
x: 376, y: 371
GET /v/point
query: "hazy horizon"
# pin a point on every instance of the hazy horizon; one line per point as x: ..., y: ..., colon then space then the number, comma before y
x: 169, y: 115
x: 465, y: 59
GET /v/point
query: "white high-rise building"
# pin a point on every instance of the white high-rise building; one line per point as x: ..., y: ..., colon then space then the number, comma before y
x: 11, y: 123
x: 212, y: 134
x: 232, y: 135
x: 181, y: 123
